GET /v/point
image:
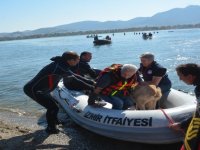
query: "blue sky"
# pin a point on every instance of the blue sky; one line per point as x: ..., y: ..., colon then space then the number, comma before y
x: 20, y: 15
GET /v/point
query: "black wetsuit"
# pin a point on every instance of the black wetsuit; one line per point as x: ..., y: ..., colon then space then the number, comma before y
x: 47, y: 79
x: 83, y: 68
x: 157, y: 70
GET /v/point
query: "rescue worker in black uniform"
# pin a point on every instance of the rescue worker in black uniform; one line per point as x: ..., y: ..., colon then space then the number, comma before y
x: 154, y: 73
x: 83, y: 68
x: 47, y: 79
x: 190, y: 74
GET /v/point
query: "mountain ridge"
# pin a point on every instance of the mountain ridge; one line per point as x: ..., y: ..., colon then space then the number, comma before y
x: 175, y: 16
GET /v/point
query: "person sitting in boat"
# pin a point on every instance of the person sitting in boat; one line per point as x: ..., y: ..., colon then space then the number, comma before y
x: 154, y: 73
x: 144, y: 35
x: 150, y: 34
x: 113, y: 85
x: 108, y: 38
x: 190, y: 74
x: 83, y: 68
x: 47, y: 79
x: 96, y: 38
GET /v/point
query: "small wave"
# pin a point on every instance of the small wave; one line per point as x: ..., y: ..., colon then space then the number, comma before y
x: 191, y: 42
x: 168, y: 59
x: 20, y: 112
x: 181, y: 58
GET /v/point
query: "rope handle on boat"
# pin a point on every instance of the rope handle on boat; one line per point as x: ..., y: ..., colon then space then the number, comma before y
x: 72, y: 106
x: 171, y: 121
x: 169, y: 118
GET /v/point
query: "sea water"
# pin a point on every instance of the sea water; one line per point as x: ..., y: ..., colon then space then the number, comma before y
x: 21, y: 60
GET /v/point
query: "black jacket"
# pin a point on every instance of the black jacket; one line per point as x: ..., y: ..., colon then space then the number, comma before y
x: 83, y: 68
x: 157, y: 70
x: 48, y: 78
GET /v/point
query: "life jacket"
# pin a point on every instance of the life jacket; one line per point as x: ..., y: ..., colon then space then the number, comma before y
x: 113, y: 68
x: 119, y: 83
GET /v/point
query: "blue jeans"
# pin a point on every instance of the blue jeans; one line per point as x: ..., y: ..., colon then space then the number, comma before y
x: 165, y: 86
x: 118, y: 102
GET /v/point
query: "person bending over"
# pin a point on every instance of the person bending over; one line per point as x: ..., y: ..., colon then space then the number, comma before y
x: 113, y: 85
x: 47, y: 79
x: 190, y: 74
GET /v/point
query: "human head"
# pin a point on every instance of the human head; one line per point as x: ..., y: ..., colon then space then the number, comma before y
x: 188, y: 72
x: 128, y: 70
x: 72, y: 58
x: 146, y: 59
x: 86, y: 56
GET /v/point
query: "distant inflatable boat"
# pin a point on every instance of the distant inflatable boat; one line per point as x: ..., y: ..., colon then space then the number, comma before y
x: 101, y: 42
x: 150, y: 126
x: 146, y: 36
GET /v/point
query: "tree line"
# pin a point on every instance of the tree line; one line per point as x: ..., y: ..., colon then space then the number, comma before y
x: 134, y: 29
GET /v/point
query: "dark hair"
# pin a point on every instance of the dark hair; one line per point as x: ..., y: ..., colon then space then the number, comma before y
x: 85, y: 53
x: 69, y: 55
x: 187, y: 69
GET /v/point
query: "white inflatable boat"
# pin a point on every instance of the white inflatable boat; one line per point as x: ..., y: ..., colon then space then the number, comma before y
x: 150, y: 126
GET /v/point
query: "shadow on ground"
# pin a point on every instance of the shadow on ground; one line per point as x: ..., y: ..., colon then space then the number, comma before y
x: 74, y: 137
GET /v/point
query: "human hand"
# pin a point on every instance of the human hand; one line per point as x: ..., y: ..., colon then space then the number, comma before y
x: 175, y: 126
x: 94, y: 83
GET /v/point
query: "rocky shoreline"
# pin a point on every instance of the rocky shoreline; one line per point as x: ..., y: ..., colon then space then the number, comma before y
x: 23, y: 132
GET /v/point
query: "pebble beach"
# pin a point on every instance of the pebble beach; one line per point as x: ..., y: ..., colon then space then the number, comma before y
x: 21, y: 131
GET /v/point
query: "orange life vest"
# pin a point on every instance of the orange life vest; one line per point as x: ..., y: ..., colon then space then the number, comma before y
x: 120, y: 84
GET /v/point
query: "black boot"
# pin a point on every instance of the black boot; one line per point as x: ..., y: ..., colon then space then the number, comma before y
x: 58, y: 122
x: 95, y: 101
x: 91, y: 99
x: 52, y: 130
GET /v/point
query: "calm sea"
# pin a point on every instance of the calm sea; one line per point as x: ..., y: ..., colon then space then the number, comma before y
x: 21, y: 60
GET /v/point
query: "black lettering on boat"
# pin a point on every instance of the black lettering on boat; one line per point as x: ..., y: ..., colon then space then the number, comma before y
x: 95, y: 117
x: 86, y: 115
x: 129, y: 121
x: 109, y: 119
x: 99, y: 118
x: 145, y: 122
x: 114, y: 120
x: 119, y: 122
x: 137, y: 122
x: 150, y: 121
x: 124, y: 121
x: 104, y: 121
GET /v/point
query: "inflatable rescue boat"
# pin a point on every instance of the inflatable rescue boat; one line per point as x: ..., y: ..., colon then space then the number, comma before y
x: 144, y: 126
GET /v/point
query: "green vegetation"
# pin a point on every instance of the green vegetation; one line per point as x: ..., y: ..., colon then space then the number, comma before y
x: 136, y: 29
